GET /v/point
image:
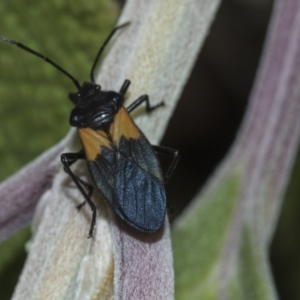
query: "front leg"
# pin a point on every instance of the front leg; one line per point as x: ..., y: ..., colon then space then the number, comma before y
x: 67, y: 160
x: 140, y: 100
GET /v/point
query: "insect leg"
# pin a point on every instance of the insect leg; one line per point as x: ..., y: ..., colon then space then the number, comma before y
x: 71, y: 160
x: 170, y: 152
x: 124, y: 87
x: 68, y: 159
x: 140, y: 100
x: 88, y: 187
x: 73, y: 157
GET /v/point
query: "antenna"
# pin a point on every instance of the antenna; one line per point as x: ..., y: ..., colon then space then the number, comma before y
x: 7, y: 40
x: 92, y: 75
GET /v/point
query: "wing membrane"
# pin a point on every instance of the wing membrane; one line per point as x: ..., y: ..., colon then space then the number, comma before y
x: 127, y: 173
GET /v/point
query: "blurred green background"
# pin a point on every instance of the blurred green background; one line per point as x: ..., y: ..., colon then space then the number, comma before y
x: 34, y: 104
x: 34, y: 107
x: 34, y: 95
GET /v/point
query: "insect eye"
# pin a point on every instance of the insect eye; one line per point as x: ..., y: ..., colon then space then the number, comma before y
x: 97, y: 87
x: 78, y: 95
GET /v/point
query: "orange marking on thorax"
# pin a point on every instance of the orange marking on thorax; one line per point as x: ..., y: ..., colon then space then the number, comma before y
x: 123, y: 125
x: 92, y: 141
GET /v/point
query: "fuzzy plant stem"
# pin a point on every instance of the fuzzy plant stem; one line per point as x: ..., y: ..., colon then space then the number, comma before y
x: 156, y: 52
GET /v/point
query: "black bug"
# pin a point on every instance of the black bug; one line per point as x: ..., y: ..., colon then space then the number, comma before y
x: 122, y: 162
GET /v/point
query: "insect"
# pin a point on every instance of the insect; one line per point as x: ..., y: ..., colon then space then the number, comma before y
x: 121, y: 161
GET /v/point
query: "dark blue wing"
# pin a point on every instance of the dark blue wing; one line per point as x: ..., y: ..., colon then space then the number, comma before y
x: 139, y: 197
x: 130, y: 179
x: 127, y: 173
